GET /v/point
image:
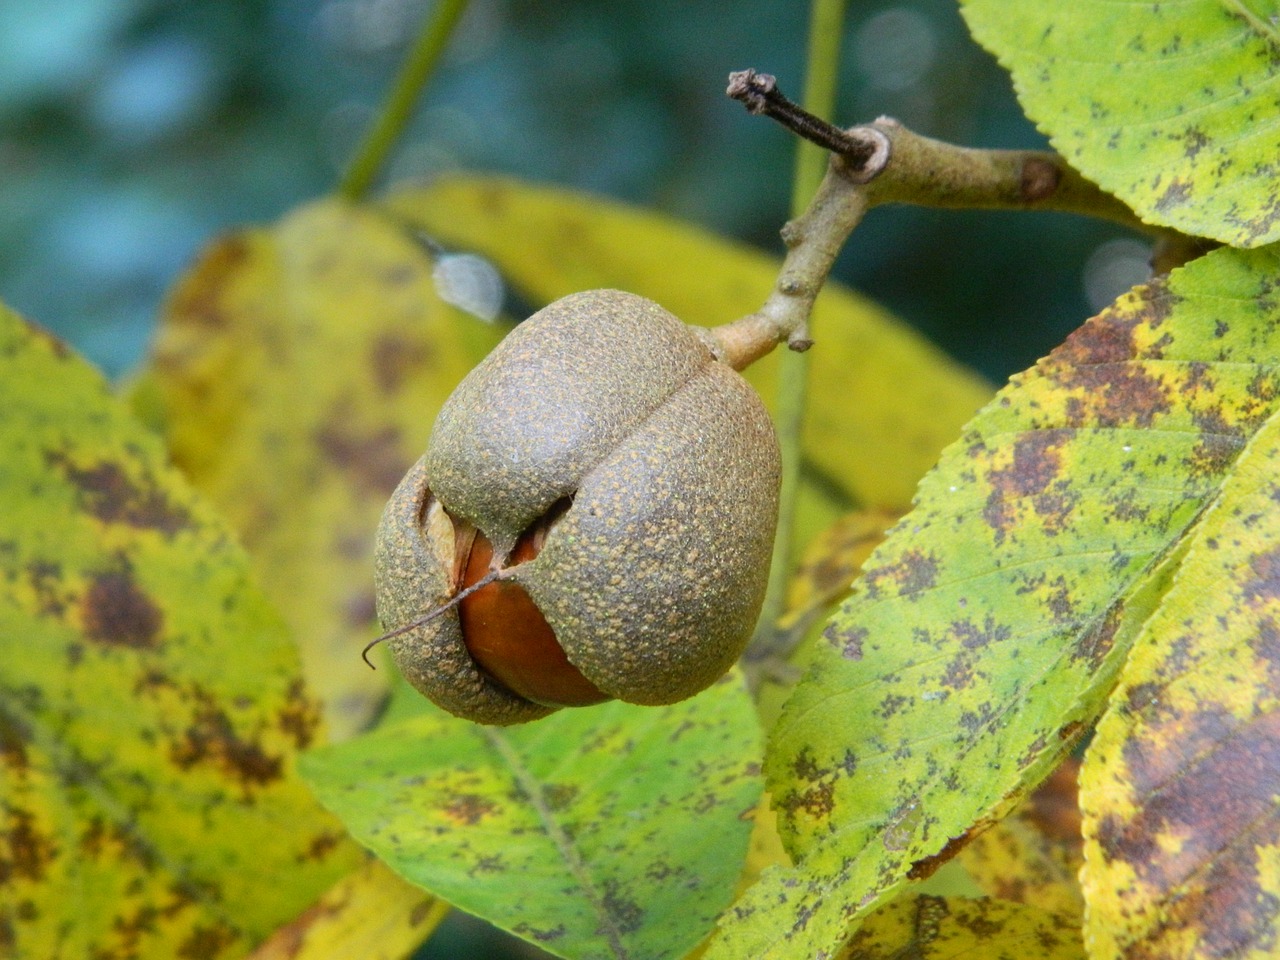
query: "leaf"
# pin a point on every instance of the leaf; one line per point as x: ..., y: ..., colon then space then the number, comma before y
x: 1170, y: 106
x: 613, y: 831
x: 833, y: 560
x: 825, y: 575
x: 937, y: 928
x: 151, y: 707
x: 883, y: 402
x: 1034, y: 855
x: 1180, y: 785
x: 297, y: 372
x: 371, y: 914
x: 986, y: 631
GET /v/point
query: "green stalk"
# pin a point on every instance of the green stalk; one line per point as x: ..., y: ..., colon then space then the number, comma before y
x: 826, y: 22
x: 398, y: 108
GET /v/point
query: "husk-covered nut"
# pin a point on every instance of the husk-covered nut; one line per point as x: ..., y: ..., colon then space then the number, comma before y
x: 624, y: 481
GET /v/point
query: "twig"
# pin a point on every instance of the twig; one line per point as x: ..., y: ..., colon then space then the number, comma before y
x: 884, y: 162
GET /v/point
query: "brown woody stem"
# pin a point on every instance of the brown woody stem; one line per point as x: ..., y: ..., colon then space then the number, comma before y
x: 880, y: 163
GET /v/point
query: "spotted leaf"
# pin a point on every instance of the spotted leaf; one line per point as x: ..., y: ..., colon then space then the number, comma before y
x: 941, y: 928
x: 863, y: 443
x: 371, y: 914
x: 1181, y: 785
x: 1033, y: 856
x: 151, y: 705
x: 296, y: 375
x: 1170, y: 106
x: 986, y: 632
x: 615, y: 831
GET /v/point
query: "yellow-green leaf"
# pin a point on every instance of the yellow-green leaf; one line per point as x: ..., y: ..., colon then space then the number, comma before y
x: 151, y: 705
x: 987, y: 630
x: 834, y: 559
x: 883, y: 402
x: 297, y: 373
x: 937, y: 928
x: 1181, y: 786
x: 611, y: 831
x: 1171, y: 106
x: 370, y: 914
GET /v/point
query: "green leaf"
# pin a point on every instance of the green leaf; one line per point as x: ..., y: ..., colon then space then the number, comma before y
x: 151, y: 706
x: 883, y: 401
x: 296, y: 374
x: 937, y: 928
x: 1180, y: 785
x: 1170, y: 106
x: 614, y: 831
x: 986, y: 632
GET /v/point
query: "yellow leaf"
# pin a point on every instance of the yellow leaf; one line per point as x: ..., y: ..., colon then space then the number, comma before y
x: 942, y: 928
x: 297, y: 372
x: 151, y: 705
x: 371, y: 914
x: 1181, y: 784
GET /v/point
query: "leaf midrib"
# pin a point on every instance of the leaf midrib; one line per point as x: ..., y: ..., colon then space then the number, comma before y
x: 532, y: 789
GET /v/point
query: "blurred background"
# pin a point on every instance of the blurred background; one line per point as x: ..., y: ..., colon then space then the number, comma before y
x: 132, y: 131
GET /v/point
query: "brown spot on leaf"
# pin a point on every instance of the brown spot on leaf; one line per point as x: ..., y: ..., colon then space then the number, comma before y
x: 372, y: 461
x: 1036, y: 472
x: 360, y: 608
x: 14, y: 735
x: 1175, y: 195
x: 211, y: 738
x: 25, y: 852
x: 207, y: 942
x: 117, y: 613
x: 627, y: 915
x: 1195, y: 140
x: 396, y: 358
x: 469, y: 808
x: 849, y: 642
x: 197, y: 298
x: 915, y: 572
x: 300, y: 716
x: 1100, y: 362
x: 1264, y: 584
x: 958, y: 675
x: 49, y: 586
x: 558, y: 796
x: 817, y: 801
x: 321, y: 846
x: 1096, y: 642
x: 1194, y: 839
x: 975, y: 637
x: 108, y: 493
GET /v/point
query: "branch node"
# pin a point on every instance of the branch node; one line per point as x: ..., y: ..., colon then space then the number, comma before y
x: 799, y: 341
x: 1040, y: 178
x: 792, y: 233
x: 873, y: 157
